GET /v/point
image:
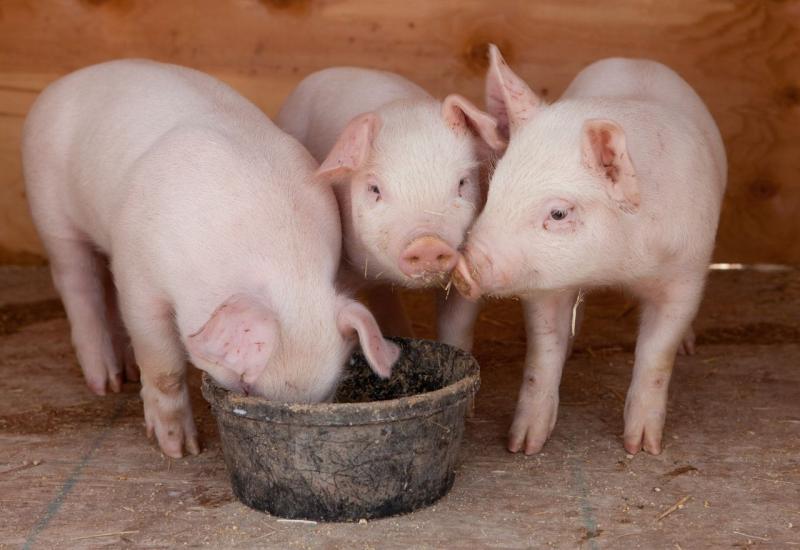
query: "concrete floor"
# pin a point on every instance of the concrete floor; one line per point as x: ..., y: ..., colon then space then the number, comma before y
x: 77, y: 471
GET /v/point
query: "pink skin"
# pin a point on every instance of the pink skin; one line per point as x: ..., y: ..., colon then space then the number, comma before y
x: 598, y: 189
x: 404, y: 167
x: 378, y: 200
x: 427, y: 255
x: 237, y: 272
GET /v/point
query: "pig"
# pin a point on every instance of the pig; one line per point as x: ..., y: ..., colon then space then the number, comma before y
x: 405, y: 169
x: 619, y: 182
x: 222, y: 248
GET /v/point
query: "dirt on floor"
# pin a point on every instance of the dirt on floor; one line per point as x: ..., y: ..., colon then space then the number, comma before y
x: 77, y: 471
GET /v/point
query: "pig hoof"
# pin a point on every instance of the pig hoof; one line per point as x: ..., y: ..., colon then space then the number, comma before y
x: 687, y: 346
x: 111, y: 379
x: 653, y: 448
x: 115, y: 382
x: 169, y: 418
x: 533, y: 447
x: 534, y: 420
x: 102, y: 369
x: 647, y: 441
x: 173, y: 439
x: 632, y: 447
x: 528, y: 446
x: 529, y: 439
x: 192, y: 446
x: 645, y: 413
x: 131, y: 368
x: 97, y: 387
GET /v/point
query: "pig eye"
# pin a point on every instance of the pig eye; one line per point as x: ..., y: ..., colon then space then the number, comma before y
x: 374, y: 189
x: 561, y: 216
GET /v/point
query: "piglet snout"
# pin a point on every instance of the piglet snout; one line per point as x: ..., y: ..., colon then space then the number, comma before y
x: 427, y: 255
x: 464, y: 281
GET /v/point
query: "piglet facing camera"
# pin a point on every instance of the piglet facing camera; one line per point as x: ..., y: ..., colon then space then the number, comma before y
x: 405, y: 168
x: 220, y: 245
x: 619, y: 182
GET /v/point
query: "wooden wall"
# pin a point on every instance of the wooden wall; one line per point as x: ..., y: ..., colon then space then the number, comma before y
x: 743, y: 57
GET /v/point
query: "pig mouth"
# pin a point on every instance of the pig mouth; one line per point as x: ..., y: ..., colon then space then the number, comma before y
x: 429, y: 278
x: 465, y: 278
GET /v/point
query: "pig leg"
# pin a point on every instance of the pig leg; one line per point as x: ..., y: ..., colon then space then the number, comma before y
x: 455, y: 319
x: 455, y: 325
x: 119, y: 335
x: 78, y: 275
x: 162, y: 364
x: 386, y: 306
x: 667, y: 312
x: 548, y: 323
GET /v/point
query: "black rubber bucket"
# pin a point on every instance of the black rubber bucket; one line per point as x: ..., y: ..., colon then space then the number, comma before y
x: 383, y: 447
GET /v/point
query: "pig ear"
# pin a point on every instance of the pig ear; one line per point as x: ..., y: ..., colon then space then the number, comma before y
x: 508, y: 98
x: 380, y: 353
x: 241, y: 336
x: 351, y: 149
x: 461, y: 115
x: 606, y: 154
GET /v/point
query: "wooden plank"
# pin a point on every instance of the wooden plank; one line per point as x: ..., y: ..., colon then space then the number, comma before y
x: 740, y: 56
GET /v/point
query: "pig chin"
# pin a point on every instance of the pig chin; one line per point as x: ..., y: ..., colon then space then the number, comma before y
x: 422, y: 280
x: 289, y: 392
x: 387, y: 267
x: 426, y: 279
x: 318, y: 386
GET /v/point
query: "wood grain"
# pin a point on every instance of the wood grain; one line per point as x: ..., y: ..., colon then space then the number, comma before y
x: 743, y: 57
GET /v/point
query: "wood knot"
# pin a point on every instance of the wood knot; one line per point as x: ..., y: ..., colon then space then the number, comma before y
x: 789, y: 96
x: 476, y: 54
x: 296, y: 7
x: 117, y: 5
x: 170, y: 384
x: 763, y: 189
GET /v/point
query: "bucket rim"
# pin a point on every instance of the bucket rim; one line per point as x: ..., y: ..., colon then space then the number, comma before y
x: 347, y: 414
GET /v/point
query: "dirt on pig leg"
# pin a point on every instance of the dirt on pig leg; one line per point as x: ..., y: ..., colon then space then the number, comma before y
x: 162, y: 363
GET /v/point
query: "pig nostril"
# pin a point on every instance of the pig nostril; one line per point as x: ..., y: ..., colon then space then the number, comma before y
x: 427, y: 255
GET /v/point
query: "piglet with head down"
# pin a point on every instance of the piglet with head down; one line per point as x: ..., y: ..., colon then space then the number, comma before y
x: 222, y: 248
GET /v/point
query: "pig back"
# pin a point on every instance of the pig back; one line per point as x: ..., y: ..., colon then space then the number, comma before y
x: 651, y: 82
x: 230, y: 210
x: 320, y: 107
x: 90, y: 128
